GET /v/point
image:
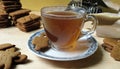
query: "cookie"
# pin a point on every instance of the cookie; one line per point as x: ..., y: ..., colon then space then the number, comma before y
x: 107, y: 47
x: 28, y: 23
x: 10, y: 2
x: 40, y: 41
x: 10, y: 5
x: 27, y: 19
x: 29, y: 27
x: 8, y: 54
x: 115, y: 53
x: 20, y: 58
x: 110, y: 41
x: 113, y: 46
x: 3, y: 15
x: 4, y: 21
x: 19, y: 13
x: 6, y: 45
x: 10, y: 8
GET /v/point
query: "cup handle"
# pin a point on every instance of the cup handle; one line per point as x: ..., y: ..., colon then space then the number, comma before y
x: 87, y: 34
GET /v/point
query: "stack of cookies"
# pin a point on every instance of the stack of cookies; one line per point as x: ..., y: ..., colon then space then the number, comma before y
x: 28, y: 23
x: 113, y: 46
x: 14, y: 13
x: 10, y: 5
x: 4, y: 21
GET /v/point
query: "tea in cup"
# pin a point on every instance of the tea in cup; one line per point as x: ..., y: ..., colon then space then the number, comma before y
x: 64, y: 28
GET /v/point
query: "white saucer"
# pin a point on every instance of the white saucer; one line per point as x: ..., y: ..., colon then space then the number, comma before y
x: 58, y: 55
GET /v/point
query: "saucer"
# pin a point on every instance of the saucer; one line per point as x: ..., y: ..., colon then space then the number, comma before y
x: 58, y: 55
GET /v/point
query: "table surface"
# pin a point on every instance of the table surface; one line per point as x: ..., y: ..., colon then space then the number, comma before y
x: 101, y: 59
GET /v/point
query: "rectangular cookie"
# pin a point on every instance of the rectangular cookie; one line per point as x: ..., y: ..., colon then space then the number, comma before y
x: 10, y: 6
x: 28, y: 19
x: 5, y: 25
x: 28, y: 28
x: 4, y: 21
x: 2, y: 12
x: 3, y: 15
x: 28, y: 23
x: 18, y: 13
x: 10, y: 3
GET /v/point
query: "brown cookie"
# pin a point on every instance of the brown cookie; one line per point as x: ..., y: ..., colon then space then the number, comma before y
x: 10, y: 8
x: 6, y: 45
x: 10, y: 2
x: 4, y: 21
x: 3, y: 15
x: 26, y: 20
x: 29, y: 27
x: 17, y: 14
x: 107, y: 47
x: 7, y: 56
x: 113, y: 46
x: 20, y: 58
x: 10, y: 5
x: 115, y: 53
x: 40, y: 41
x: 110, y: 41
x: 28, y: 23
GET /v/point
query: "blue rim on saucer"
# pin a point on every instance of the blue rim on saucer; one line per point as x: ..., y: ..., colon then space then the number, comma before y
x: 52, y: 54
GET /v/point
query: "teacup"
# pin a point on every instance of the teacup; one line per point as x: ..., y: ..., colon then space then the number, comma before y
x: 64, y: 28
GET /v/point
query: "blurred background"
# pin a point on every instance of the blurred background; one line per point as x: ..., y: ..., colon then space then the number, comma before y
x: 38, y: 4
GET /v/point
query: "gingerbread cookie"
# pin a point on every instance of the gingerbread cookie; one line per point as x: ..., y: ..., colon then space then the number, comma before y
x: 8, y: 54
x: 6, y: 45
x: 40, y: 41
x: 20, y: 58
